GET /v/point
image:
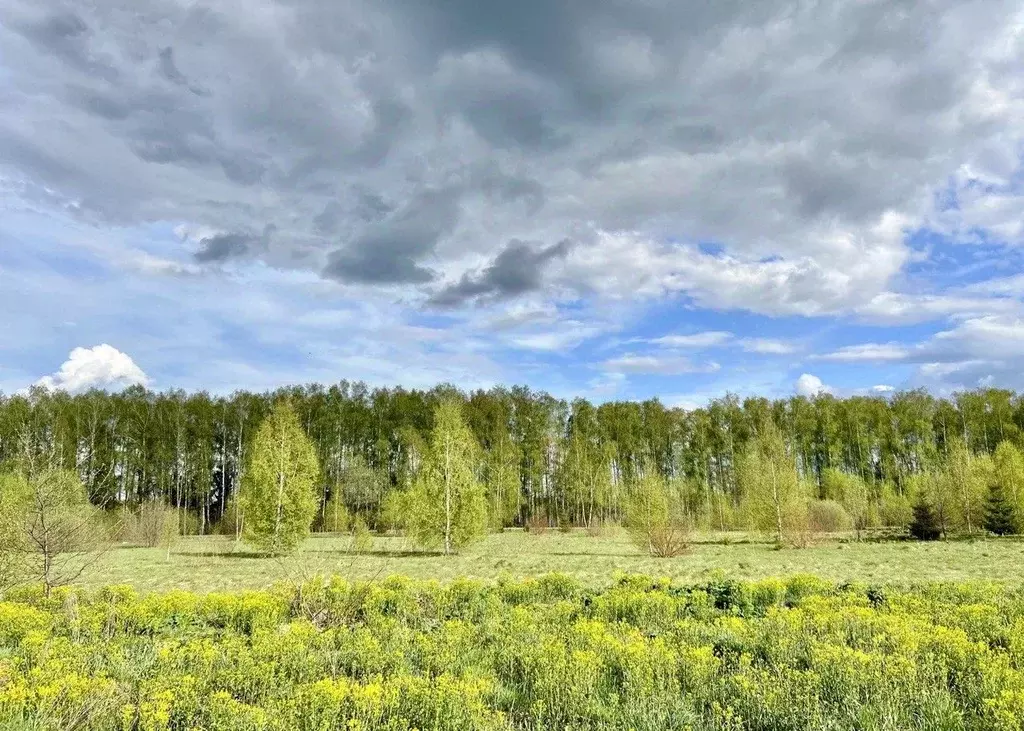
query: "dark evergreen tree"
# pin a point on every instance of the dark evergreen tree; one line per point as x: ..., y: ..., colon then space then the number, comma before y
x: 925, y: 525
x: 999, y: 516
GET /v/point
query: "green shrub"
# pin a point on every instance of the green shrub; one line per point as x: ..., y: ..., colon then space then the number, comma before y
x: 827, y: 516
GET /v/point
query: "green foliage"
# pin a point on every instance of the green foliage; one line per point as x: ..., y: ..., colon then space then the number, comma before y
x: 396, y: 509
x: 502, y: 478
x: 447, y: 506
x: 827, y: 516
x: 655, y: 517
x: 775, y: 498
x: 362, y: 538
x: 584, y: 475
x: 895, y: 509
x: 336, y: 518
x: 548, y: 652
x: 1000, y: 516
x: 279, y: 498
x: 963, y: 484
x: 942, y: 494
x: 152, y: 524
x: 1008, y: 468
x: 50, y: 533
x: 358, y: 490
x: 851, y: 493
x: 13, y: 496
x: 925, y: 524
x: 541, y: 456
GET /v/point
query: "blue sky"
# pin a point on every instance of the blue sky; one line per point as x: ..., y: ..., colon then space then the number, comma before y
x: 673, y: 200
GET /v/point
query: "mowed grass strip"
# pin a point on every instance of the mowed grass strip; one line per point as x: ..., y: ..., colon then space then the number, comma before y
x: 216, y: 563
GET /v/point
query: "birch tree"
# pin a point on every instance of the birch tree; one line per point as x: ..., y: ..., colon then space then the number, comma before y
x: 447, y: 506
x: 965, y: 475
x: 655, y: 516
x: 48, y: 531
x: 775, y: 498
x: 504, y: 484
x: 279, y: 491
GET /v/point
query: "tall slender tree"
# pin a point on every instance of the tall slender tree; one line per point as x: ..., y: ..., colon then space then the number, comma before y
x: 504, y: 485
x: 279, y: 497
x: 775, y: 497
x: 447, y: 506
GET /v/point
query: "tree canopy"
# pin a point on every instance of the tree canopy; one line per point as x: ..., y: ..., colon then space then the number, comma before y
x: 447, y: 506
x: 279, y: 496
x: 539, y: 456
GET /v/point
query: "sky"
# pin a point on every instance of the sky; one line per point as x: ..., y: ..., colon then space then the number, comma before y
x: 613, y: 199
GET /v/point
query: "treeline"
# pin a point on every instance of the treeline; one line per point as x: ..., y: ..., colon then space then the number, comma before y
x: 541, y: 458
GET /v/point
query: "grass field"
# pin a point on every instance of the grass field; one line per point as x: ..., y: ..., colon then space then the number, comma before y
x: 215, y: 563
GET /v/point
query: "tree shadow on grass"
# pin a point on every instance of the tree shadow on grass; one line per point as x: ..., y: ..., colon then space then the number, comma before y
x: 223, y: 554
x: 382, y: 554
x: 590, y: 554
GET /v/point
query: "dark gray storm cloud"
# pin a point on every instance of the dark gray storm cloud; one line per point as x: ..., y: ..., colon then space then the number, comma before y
x: 517, y: 269
x: 223, y: 247
x: 389, y: 140
x: 390, y: 251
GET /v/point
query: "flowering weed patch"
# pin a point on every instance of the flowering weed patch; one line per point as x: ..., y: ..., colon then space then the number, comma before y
x: 540, y: 653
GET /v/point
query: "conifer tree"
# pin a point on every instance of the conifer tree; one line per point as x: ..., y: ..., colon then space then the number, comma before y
x: 447, y: 506
x: 1000, y: 518
x: 1009, y: 472
x: 279, y: 494
x: 925, y: 524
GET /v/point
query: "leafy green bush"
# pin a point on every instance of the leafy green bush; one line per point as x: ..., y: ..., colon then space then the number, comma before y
x: 827, y: 516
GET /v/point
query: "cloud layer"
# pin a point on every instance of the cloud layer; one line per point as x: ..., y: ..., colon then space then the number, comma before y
x: 539, y: 175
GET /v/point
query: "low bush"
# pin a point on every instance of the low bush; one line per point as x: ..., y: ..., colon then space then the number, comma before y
x: 827, y: 516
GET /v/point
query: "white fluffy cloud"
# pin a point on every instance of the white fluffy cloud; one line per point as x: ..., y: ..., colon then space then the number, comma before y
x: 102, y: 366
x: 810, y: 385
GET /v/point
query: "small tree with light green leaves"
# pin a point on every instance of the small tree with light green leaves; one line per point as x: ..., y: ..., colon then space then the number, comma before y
x: 656, y: 518
x: 503, y: 482
x: 775, y: 498
x: 852, y: 493
x: 447, y: 505
x: 279, y: 495
x: 1009, y: 473
x: 49, y: 533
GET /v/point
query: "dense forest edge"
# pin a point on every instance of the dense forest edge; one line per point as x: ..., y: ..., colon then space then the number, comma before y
x: 864, y: 461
